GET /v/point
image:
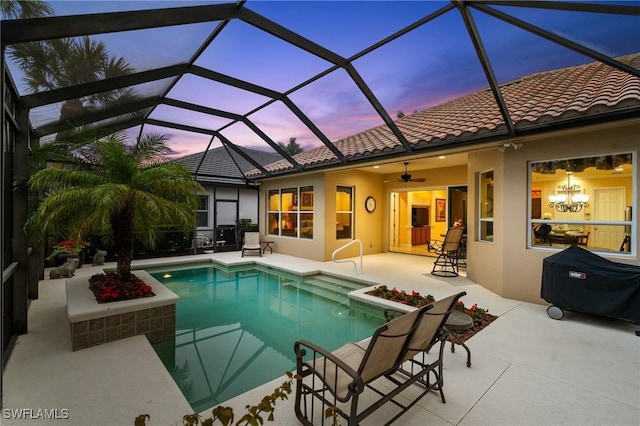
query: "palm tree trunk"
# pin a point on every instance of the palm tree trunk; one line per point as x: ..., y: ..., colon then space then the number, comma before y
x: 123, y: 232
x: 70, y: 109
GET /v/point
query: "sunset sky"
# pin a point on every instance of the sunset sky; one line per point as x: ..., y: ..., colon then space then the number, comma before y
x: 423, y: 68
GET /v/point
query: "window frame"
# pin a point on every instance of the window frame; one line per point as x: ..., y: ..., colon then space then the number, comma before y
x: 485, y: 222
x: 207, y: 203
x: 350, y: 212
x: 295, y: 214
x: 587, y: 222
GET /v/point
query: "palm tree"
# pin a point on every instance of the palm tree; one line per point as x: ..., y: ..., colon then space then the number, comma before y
x: 292, y: 148
x: 58, y: 63
x: 122, y: 192
x: 13, y: 9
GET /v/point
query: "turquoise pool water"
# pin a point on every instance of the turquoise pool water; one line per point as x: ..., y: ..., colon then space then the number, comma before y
x: 235, y: 329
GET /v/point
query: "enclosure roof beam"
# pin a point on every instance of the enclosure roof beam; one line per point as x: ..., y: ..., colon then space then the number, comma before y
x: 38, y: 29
x: 113, y: 83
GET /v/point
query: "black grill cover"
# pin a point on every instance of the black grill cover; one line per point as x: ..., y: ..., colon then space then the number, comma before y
x: 578, y: 280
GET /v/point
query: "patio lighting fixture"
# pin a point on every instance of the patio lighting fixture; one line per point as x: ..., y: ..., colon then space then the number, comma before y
x: 569, y: 198
x: 507, y: 144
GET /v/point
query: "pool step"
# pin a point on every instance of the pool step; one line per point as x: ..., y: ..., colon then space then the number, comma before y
x: 334, y: 283
x: 328, y: 287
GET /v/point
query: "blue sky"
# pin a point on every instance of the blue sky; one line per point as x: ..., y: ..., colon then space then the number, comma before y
x: 424, y: 68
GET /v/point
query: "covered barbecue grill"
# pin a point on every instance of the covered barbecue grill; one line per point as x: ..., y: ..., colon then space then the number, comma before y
x: 577, y: 280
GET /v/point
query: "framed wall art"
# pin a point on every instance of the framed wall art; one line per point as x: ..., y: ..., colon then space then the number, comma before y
x: 441, y: 210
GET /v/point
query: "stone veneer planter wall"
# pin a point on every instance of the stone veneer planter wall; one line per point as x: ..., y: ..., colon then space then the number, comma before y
x: 92, y: 323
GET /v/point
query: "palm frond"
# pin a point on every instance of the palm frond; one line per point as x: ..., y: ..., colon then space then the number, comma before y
x: 122, y: 192
x: 149, y: 147
x: 54, y: 179
x: 14, y: 9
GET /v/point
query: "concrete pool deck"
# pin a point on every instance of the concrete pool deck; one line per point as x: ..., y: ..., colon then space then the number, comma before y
x: 527, y: 369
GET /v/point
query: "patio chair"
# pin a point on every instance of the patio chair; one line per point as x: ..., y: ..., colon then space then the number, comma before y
x: 251, y: 243
x: 335, y: 381
x: 448, y: 250
x: 541, y: 233
x: 583, y: 240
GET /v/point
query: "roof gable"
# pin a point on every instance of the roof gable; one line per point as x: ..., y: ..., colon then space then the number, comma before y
x: 224, y: 166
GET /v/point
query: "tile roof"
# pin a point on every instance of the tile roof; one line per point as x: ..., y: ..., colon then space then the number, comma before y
x: 224, y: 166
x: 549, y: 96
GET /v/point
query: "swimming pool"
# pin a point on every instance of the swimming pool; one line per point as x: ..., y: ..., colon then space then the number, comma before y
x: 235, y: 328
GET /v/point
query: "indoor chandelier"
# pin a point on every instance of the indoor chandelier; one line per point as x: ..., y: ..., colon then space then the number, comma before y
x: 569, y: 198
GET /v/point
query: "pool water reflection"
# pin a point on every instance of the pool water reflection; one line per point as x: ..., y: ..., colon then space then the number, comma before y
x: 235, y: 329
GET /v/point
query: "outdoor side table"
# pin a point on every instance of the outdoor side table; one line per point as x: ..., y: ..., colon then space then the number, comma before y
x: 267, y: 245
x: 459, y: 321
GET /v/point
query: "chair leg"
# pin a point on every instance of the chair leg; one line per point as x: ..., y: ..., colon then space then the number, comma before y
x: 445, y: 266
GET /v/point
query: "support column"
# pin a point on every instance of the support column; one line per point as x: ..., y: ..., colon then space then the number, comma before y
x: 35, y: 261
x: 20, y: 203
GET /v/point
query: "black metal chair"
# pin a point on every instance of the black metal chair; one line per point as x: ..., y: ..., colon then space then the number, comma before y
x: 332, y: 383
x: 448, y: 250
x: 541, y: 233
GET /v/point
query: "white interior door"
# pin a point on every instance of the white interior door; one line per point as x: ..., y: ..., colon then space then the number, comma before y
x: 393, y: 219
x: 608, y: 204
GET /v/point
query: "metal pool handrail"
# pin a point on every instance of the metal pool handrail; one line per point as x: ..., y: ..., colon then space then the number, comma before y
x: 355, y: 265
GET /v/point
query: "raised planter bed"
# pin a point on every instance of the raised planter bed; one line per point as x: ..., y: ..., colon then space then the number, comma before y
x: 92, y: 323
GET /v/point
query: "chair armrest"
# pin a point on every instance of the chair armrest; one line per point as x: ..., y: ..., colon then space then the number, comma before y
x: 318, y: 365
x: 435, y: 245
x: 301, y: 352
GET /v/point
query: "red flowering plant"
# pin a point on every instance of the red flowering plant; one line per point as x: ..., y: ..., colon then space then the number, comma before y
x: 108, y: 287
x: 401, y: 296
x: 67, y: 246
x: 474, y: 311
x: 481, y: 317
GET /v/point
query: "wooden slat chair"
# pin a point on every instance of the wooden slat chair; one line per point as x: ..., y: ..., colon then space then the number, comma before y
x: 252, y: 243
x: 336, y: 380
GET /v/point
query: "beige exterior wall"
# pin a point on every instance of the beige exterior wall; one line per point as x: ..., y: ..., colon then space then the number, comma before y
x: 368, y: 227
x: 505, y: 266
x: 484, y: 259
x: 306, y: 248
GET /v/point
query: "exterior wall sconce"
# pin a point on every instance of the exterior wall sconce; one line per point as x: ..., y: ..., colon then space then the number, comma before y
x: 508, y: 144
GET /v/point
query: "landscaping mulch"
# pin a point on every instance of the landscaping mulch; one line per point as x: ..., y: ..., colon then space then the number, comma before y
x: 480, y: 324
x: 483, y: 318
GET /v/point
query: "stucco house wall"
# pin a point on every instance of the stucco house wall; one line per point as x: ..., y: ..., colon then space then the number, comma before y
x: 306, y: 248
x: 506, y: 266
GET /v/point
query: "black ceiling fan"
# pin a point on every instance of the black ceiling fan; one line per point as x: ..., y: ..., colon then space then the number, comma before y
x: 406, y: 177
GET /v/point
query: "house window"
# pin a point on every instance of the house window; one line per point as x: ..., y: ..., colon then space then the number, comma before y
x: 202, y: 212
x: 290, y: 212
x: 485, y: 197
x: 344, y: 212
x: 586, y: 201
